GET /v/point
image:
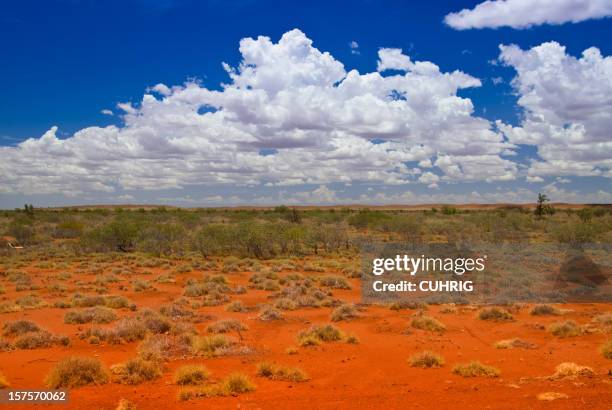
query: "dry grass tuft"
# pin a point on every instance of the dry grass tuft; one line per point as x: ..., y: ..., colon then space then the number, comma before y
x: 544, y: 310
x: 276, y: 372
x: 427, y: 323
x: 210, y: 345
x: 344, y: 312
x: 269, y: 314
x: 191, y: 375
x: 495, y: 314
x: 19, y: 327
x: 571, y: 370
x: 475, y: 369
x: 75, y: 372
x: 514, y: 343
x: 136, y: 371
x: 426, y: 360
x: 96, y: 314
x: 318, y: 334
x: 237, y: 383
x: 225, y: 326
x: 568, y: 328
x: 551, y: 395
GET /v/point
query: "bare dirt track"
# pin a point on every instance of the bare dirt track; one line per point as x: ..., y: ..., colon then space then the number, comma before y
x: 374, y: 373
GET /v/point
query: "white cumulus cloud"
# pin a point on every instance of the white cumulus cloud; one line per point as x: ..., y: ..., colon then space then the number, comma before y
x: 318, y: 122
x: 567, y: 107
x: 521, y: 14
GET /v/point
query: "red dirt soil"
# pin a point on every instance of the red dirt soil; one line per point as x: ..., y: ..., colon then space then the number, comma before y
x: 372, y: 374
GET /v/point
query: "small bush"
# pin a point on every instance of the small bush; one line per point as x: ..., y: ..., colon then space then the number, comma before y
x: 225, y: 326
x: 544, y: 310
x: 237, y: 383
x: 352, y: 340
x: 75, y: 372
x: 276, y: 372
x: 236, y: 306
x: 137, y: 370
x: 571, y: 370
x: 334, y: 282
x: 118, y: 302
x: 427, y: 323
x: 130, y: 329
x: 210, y: 345
x: 269, y: 314
x: 87, y: 301
x: 191, y: 375
x: 475, y: 369
x: 234, y: 384
x: 31, y: 302
x: 605, y: 319
x: 39, y: 340
x: 285, y: 304
x: 9, y: 307
x: 96, y: 314
x: 344, y: 312
x: 426, y: 360
x: 317, y: 334
x: 164, y: 347
x: 141, y: 285
x: 514, y: 343
x: 19, y: 327
x: 495, y: 314
x: 568, y: 328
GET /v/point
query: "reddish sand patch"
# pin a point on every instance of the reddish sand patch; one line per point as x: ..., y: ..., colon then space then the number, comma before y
x: 372, y: 374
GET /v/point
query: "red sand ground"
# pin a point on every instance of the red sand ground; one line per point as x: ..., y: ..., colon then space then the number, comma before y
x: 372, y: 374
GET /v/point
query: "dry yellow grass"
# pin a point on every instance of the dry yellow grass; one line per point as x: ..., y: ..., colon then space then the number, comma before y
x: 75, y: 372
x: 571, y: 370
x: 475, y: 369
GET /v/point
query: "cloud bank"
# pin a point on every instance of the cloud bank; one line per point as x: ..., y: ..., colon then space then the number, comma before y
x: 291, y: 115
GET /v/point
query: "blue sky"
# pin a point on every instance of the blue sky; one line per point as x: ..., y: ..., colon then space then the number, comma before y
x: 64, y: 62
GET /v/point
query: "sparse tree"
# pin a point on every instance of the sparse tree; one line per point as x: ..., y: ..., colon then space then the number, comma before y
x: 543, y: 208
